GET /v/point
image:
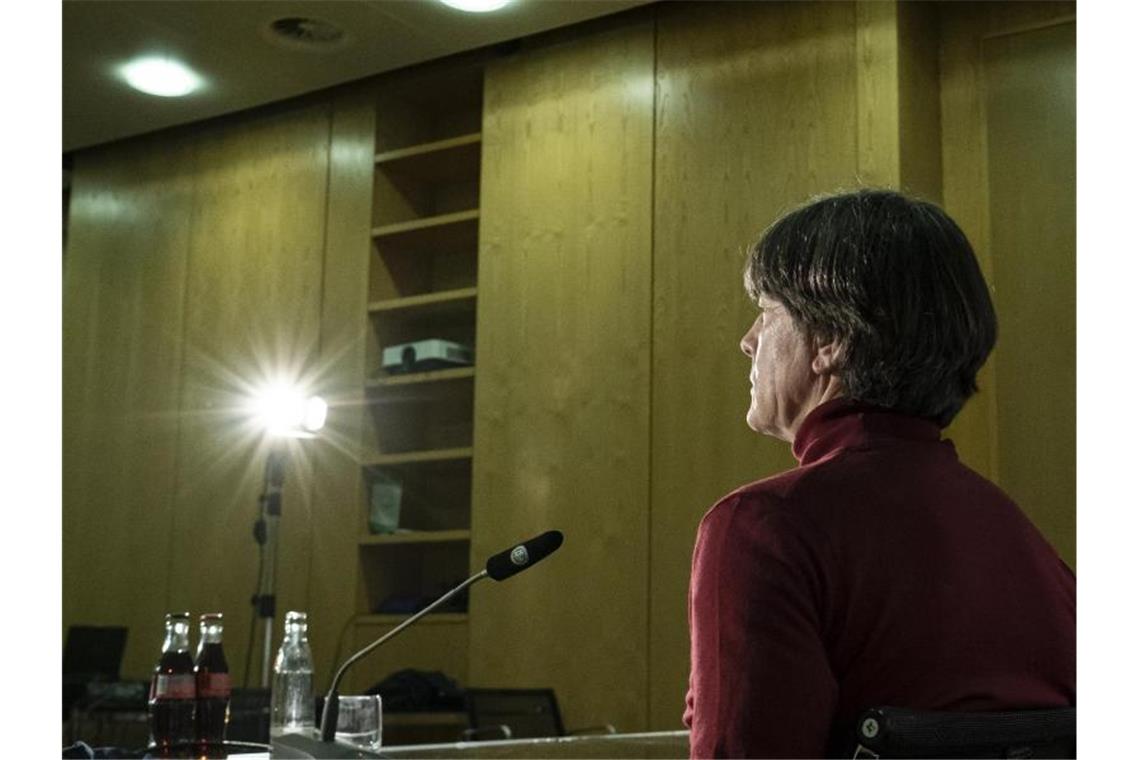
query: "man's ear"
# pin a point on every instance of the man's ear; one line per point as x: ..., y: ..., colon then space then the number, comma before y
x: 828, y: 354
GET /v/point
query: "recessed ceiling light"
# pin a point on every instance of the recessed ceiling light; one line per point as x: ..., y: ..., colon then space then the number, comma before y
x: 164, y: 77
x: 476, y: 6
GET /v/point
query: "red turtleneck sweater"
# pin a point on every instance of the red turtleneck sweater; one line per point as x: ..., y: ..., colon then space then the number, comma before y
x: 881, y: 571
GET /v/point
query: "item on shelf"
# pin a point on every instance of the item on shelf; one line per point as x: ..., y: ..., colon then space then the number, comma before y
x: 424, y: 355
x: 384, y: 515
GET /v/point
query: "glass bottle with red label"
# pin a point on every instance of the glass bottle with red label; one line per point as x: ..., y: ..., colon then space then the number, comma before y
x: 213, y: 681
x: 172, y: 691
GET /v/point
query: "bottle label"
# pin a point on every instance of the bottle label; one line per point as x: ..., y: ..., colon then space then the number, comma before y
x: 213, y: 685
x: 178, y: 686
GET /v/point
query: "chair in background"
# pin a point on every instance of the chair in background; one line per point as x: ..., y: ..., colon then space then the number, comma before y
x: 886, y: 732
x: 97, y: 706
x: 249, y: 716
x: 91, y: 654
x: 518, y: 714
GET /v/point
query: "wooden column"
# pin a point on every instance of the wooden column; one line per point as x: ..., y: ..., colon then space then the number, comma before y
x: 562, y: 387
x: 336, y: 472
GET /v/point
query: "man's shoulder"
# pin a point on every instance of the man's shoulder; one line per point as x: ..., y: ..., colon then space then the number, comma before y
x: 779, y: 491
x: 770, y: 497
x: 809, y: 496
x: 763, y: 522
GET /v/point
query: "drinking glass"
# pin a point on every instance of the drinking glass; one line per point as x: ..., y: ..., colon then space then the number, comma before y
x: 359, y: 721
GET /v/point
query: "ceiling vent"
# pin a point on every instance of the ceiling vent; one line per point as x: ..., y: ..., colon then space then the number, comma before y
x: 307, y: 34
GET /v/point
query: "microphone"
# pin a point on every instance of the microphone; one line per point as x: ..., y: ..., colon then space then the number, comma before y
x: 499, y: 567
x: 507, y: 563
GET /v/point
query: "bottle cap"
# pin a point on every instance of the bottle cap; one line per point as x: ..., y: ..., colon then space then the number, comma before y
x: 211, y: 616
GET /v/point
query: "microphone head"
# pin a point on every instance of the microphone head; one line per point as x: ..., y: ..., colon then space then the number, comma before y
x: 518, y: 558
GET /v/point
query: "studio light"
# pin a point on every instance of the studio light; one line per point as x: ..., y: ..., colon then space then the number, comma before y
x: 286, y: 411
x: 316, y: 411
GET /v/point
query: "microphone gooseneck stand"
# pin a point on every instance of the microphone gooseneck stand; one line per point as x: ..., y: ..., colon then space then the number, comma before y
x: 499, y: 567
x: 332, y: 707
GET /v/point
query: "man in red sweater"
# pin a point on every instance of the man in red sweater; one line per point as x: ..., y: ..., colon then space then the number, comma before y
x: 880, y: 571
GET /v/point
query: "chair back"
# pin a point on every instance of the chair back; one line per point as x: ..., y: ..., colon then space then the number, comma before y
x: 249, y: 716
x: 886, y: 732
x: 527, y: 713
x: 91, y: 654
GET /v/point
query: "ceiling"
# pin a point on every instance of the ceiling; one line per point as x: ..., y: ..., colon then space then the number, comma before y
x: 228, y: 43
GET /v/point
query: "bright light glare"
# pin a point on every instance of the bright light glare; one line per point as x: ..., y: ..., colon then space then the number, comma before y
x: 282, y: 410
x: 475, y: 6
x: 161, y: 76
x: 316, y: 411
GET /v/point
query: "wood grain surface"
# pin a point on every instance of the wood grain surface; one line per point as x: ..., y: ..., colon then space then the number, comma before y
x: 123, y: 290
x: 337, y: 485
x: 920, y: 114
x: 877, y: 92
x: 756, y: 112
x: 979, y: 428
x: 1031, y: 138
x: 253, y: 311
x: 562, y: 390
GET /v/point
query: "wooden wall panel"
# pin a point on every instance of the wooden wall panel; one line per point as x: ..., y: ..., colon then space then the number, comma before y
x: 562, y: 383
x: 336, y: 455
x: 964, y: 196
x: 197, y: 261
x: 253, y: 310
x: 1031, y: 139
x: 920, y: 114
x: 896, y: 50
x: 756, y: 111
x: 966, y: 184
x: 122, y: 327
x: 878, y: 94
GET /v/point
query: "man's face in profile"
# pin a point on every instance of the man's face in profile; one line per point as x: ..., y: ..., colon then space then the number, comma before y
x: 781, y: 374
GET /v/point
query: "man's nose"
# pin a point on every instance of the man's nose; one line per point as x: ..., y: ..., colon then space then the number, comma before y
x: 747, y: 345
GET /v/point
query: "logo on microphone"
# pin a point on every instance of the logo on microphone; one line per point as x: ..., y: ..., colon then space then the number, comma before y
x: 519, y: 556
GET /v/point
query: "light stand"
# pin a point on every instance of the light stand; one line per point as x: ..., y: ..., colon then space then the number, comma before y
x: 284, y: 413
x: 265, y: 532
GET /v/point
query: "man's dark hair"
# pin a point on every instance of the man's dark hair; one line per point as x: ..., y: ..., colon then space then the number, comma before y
x: 895, y: 281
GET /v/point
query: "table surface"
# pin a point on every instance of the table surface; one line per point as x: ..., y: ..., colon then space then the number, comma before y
x: 663, y: 744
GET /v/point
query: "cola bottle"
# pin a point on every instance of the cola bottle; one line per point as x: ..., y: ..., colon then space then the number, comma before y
x: 212, y: 677
x: 171, y: 702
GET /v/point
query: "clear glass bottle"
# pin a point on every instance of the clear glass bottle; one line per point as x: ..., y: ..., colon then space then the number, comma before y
x: 293, y: 709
